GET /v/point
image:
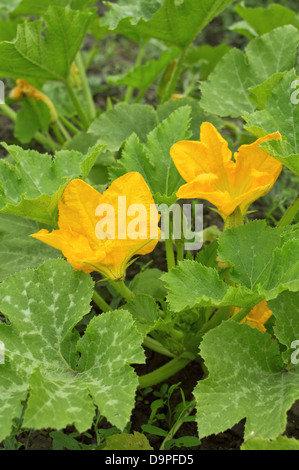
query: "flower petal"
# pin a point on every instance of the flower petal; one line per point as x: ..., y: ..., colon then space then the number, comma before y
x: 210, y: 155
x: 258, y: 316
x: 74, y: 246
x: 77, y: 209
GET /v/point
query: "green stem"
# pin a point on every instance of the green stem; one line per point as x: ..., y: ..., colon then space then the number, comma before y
x: 100, y: 302
x: 223, y: 313
x: 69, y: 125
x: 63, y: 131
x: 180, y: 421
x: 45, y: 141
x: 57, y: 133
x: 154, y: 345
x: 123, y: 290
x: 130, y: 89
x: 169, y: 253
x: 80, y: 110
x: 238, y: 317
x: 164, y: 372
x: 7, y: 111
x: 77, y: 123
x: 290, y: 213
x: 139, y: 96
x: 86, y: 88
x: 175, y: 76
x: 180, y: 252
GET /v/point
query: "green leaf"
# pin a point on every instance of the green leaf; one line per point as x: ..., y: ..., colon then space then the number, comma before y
x: 130, y: 9
x: 153, y: 159
x: 114, y: 126
x: 206, y: 57
x: 260, y: 94
x: 281, y: 443
x: 45, y: 52
x: 243, y: 28
x: 145, y: 312
x: 226, y: 92
x: 149, y: 282
x: 33, y: 186
x: 30, y: 7
x: 42, y: 353
x: 190, y: 284
x: 263, y: 264
x: 18, y: 250
x: 283, y: 308
x: 264, y: 20
x: 281, y: 113
x: 284, y: 153
x: 150, y: 429
x: 32, y: 117
x: 186, y: 441
x: 8, y: 29
x: 207, y: 256
x: 62, y: 440
x: 198, y: 115
x: 124, y: 441
x: 247, y: 380
x: 259, y: 258
x: 174, y: 21
x: 246, y: 249
x: 141, y: 77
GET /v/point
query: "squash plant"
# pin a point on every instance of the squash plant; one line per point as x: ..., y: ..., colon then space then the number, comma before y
x: 72, y: 324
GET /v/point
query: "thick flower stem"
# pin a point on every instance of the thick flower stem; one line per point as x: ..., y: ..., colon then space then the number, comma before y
x: 68, y: 125
x: 154, y: 345
x: 234, y: 220
x: 169, y: 253
x: 290, y: 213
x: 238, y: 317
x: 100, y: 302
x: 123, y: 290
x: 63, y: 130
x: 164, y: 372
x: 86, y: 87
x: 180, y: 252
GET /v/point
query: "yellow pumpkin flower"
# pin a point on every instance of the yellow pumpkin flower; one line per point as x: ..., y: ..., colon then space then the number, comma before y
x: 211, y: 174
x: 101, y: 232
x: 257, y: 317
x: 24, y: 88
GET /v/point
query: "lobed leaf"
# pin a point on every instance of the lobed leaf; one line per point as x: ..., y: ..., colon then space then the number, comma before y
x: 281, y: 114
x: 33, y: 186
x: 18, y: 250
x: 45, y: 52
x: 226, y: 91
x: 263, y: 20
x: 247, y: 381
x: 114, y: 126
x: 263, y: 263
x: 42, y: 352
x: 174, y: 21
x: 152, y: 159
